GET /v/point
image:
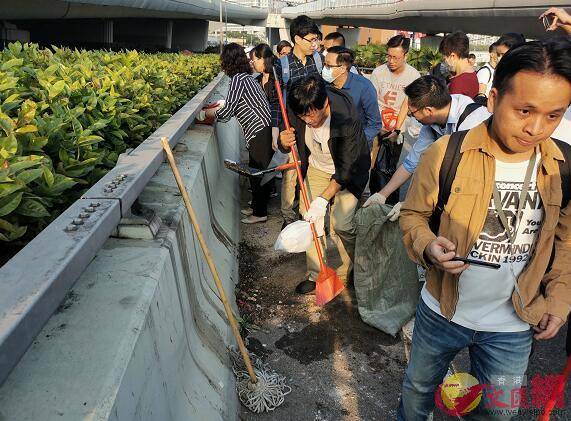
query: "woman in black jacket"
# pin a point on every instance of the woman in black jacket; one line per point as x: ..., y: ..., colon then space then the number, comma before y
x: 247, y: 102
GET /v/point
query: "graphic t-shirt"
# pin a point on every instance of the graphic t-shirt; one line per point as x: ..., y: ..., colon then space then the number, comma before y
x: 390, y: 86
x: 464, y: 84
x: 484, y: 301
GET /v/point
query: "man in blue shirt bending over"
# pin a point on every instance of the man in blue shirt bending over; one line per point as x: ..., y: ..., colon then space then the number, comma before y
x: 440, y: 113
x: 338, y: 62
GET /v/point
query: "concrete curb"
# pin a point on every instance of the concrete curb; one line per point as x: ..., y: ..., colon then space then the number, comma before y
x: 142, y: 335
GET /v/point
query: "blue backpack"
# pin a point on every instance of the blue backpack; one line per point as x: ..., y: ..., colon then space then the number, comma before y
x: 286, y: 73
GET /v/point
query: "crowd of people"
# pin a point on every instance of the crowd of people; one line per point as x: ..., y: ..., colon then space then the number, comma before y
x: 487, y: 177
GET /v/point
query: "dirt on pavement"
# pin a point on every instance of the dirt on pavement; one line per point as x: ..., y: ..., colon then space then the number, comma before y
x: 338, y: 367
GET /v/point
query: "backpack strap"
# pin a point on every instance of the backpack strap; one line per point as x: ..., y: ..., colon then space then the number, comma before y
x: 470, y: 108
x: 489, y: 71
x: 318, y: 62
x: 285, y: 70
x: 565, y: 172
x: 446, y: 176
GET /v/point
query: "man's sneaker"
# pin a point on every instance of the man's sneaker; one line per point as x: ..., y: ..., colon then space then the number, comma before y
x: 305, y: 287
x: 254, y: 219
x: 247, y: 211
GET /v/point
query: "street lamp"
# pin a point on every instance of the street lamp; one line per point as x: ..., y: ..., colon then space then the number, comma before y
x: 221, y: 39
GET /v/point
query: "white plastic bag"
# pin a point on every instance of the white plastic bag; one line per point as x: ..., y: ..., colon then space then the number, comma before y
x: 295, y: 238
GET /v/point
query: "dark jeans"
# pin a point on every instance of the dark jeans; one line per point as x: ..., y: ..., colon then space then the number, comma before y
x: 261, y: 152
x: 435, y: 343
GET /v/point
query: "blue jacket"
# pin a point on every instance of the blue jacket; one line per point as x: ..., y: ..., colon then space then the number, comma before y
x: 364, y: 98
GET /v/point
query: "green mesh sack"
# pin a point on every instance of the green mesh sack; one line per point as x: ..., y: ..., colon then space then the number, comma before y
x: 386, y: 280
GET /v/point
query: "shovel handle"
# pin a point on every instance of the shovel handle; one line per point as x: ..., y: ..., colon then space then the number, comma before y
x: 288, y: 166
x: 298, y: 170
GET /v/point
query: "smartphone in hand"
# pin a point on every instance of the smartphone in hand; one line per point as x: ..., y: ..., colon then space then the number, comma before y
x: 477, y: 262
x: 547, y: 22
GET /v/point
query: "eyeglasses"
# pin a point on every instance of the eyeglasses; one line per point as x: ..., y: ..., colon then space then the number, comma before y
x: 332, y: 65
x: 411, y: 113
x: 311, y: 41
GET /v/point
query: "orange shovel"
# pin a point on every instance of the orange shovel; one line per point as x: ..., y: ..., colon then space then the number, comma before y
x: 328, y: 285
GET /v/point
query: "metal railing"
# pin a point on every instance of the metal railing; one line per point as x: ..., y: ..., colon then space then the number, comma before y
x: 320, y: 5
x: 35, y: 281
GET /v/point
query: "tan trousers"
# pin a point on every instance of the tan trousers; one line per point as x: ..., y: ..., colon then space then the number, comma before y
x: 342, y: 224
x: 289, y: 182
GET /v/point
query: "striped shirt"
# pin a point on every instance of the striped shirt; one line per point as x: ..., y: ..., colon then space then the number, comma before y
x: 248, y: 103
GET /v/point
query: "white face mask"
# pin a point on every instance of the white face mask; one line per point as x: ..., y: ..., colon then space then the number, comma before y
x: 327, y: 74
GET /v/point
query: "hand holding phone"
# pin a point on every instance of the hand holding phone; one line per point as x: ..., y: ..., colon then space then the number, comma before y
x: 441, y: 252
x: 556, y: 17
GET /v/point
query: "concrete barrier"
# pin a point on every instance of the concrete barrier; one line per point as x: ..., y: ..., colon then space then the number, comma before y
x: 143, y: 335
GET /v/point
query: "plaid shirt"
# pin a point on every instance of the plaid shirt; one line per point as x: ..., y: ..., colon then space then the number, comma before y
x: 297, y: 70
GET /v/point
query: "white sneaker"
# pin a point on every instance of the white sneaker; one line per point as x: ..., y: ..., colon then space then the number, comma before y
x: 254, y: 219
x: 247, y: 211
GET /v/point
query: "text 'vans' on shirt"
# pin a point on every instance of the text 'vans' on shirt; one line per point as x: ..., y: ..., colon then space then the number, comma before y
x: 484, y: 294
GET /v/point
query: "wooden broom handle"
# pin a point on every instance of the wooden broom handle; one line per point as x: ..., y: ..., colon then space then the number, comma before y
x: 209, y: 260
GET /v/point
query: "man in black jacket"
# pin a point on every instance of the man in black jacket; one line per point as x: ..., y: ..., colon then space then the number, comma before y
x: 335, y: 160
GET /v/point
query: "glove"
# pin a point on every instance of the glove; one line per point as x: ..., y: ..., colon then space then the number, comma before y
x: 394, y: 214
x: 400, y: 139
x: 375, y: 198
x: 317, y: 210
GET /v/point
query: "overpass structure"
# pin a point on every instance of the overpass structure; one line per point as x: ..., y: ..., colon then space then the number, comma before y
x: 165, y: 24
x: 491, y: 17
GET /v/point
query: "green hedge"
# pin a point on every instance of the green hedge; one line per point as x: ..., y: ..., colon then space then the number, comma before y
x: 373, y: 55
x: 66, y: 115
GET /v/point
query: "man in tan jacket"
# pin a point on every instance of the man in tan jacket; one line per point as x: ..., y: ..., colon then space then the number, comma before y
x: 504, y: 208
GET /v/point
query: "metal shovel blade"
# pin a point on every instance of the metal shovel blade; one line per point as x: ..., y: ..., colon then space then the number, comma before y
x: 328, y: 286
x: 240, y: 168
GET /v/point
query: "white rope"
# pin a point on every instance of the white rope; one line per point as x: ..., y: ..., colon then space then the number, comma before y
x: 265, y: 395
